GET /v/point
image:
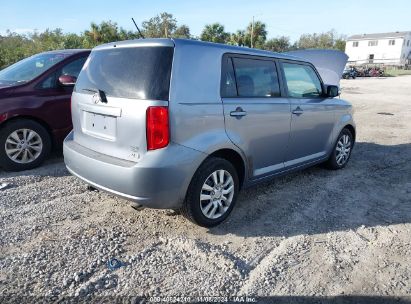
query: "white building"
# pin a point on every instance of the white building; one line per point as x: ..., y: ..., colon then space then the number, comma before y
x: 387, y: 48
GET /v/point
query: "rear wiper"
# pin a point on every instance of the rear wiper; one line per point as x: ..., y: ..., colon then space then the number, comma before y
x: 102, y: 96
x: 91, y: 90
x: 99, y: 92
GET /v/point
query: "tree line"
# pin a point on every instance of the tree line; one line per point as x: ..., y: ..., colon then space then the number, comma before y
x: 14, y: 47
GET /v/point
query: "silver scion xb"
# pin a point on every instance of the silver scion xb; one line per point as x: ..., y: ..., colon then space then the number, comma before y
x: 183, y: 124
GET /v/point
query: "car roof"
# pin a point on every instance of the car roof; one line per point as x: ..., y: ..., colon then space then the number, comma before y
x: 187, y: 42
x: 235, y: 49
x: 67, y: 51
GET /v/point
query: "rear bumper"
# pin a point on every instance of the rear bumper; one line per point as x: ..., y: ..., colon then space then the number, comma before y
x: 159, y: 180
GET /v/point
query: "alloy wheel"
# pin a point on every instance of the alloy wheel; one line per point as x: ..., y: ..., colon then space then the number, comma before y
x: 23, y: 146
x: 343, y: 149
x: 217, y: 194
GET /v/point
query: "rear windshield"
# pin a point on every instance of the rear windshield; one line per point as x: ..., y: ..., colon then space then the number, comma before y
x: 140, y: 73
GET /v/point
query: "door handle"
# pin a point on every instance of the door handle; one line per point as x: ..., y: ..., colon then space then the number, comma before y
x: 298, y: 111
x: 238, y: 113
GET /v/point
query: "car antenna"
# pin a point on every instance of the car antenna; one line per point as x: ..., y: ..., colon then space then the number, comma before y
x: 142, y: 36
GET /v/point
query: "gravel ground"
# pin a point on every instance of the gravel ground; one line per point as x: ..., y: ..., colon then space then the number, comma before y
x: 344, y: 234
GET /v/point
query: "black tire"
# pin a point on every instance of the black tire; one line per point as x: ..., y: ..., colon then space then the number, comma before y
x: 191, y: 208
x: 10, y: 165
x: 332, y: 162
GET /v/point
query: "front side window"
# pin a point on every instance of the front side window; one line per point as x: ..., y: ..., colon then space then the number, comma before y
x: 302, y: 81
x: 135, y: 72
x: 256, y: 78
x: 50, y: 82
x: 73, y: 68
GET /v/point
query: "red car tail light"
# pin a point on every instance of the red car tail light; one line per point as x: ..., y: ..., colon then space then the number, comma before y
x: 157, y: 127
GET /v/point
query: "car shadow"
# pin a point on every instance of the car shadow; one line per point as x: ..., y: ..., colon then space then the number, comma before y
x: 373, y: 190
x: 53, y: 166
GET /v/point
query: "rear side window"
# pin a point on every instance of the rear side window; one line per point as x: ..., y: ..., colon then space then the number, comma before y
x: 228, y: 84
x: 139, y: 73
x: 256, y: 78
x: 248, y: 78
x: 302, y: 81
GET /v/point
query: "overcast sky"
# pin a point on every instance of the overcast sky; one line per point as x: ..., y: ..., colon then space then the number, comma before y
x: 290, y: 18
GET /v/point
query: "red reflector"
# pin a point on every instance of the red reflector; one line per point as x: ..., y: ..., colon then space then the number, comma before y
x: 157, y: 127
x: 3, y: 117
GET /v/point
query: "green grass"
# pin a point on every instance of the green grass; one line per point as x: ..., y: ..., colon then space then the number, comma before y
x: 395, y: 73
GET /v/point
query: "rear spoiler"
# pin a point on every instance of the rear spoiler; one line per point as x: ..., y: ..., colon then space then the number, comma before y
x: 329, y: 63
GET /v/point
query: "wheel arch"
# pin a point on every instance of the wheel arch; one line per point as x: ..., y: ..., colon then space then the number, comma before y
x: 351, y: 128
x: 235, y: 159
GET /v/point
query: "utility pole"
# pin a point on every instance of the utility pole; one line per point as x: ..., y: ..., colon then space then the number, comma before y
x: 252, y: 32
x: 252, y: 29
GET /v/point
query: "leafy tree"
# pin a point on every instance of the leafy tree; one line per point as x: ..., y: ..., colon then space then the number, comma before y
x: 243, y: 37
x: 258, y: 33
x: 92, y: 37
x: 327, y: 40
x: 160, y: 26
x: 73, y: 41
x: 238, y: 38
x: 106, y: 31
x: 182, y: 31
x: 214, y: 33
x: 14, y: 47
x: 340, y: 44
x: 279, y: 44
x: 168, y: 24
x: 47, y: 40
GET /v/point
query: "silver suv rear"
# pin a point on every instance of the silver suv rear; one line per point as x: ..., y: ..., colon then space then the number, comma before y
x: 183, y: 124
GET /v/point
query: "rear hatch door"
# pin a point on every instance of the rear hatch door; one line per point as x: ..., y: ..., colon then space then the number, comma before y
x: 113, y: 91
x: 329, y: 63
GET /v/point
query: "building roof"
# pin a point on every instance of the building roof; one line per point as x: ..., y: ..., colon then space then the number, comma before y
x: 379, y: 36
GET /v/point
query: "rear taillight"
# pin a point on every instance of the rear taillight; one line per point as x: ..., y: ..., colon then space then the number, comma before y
x: 158, y: 135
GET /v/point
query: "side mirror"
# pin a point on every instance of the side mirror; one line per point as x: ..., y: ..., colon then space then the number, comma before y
x: 67, y: 80
x: 332, y: 91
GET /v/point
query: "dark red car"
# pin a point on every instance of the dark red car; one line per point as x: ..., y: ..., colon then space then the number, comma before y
x: 35, y: 113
